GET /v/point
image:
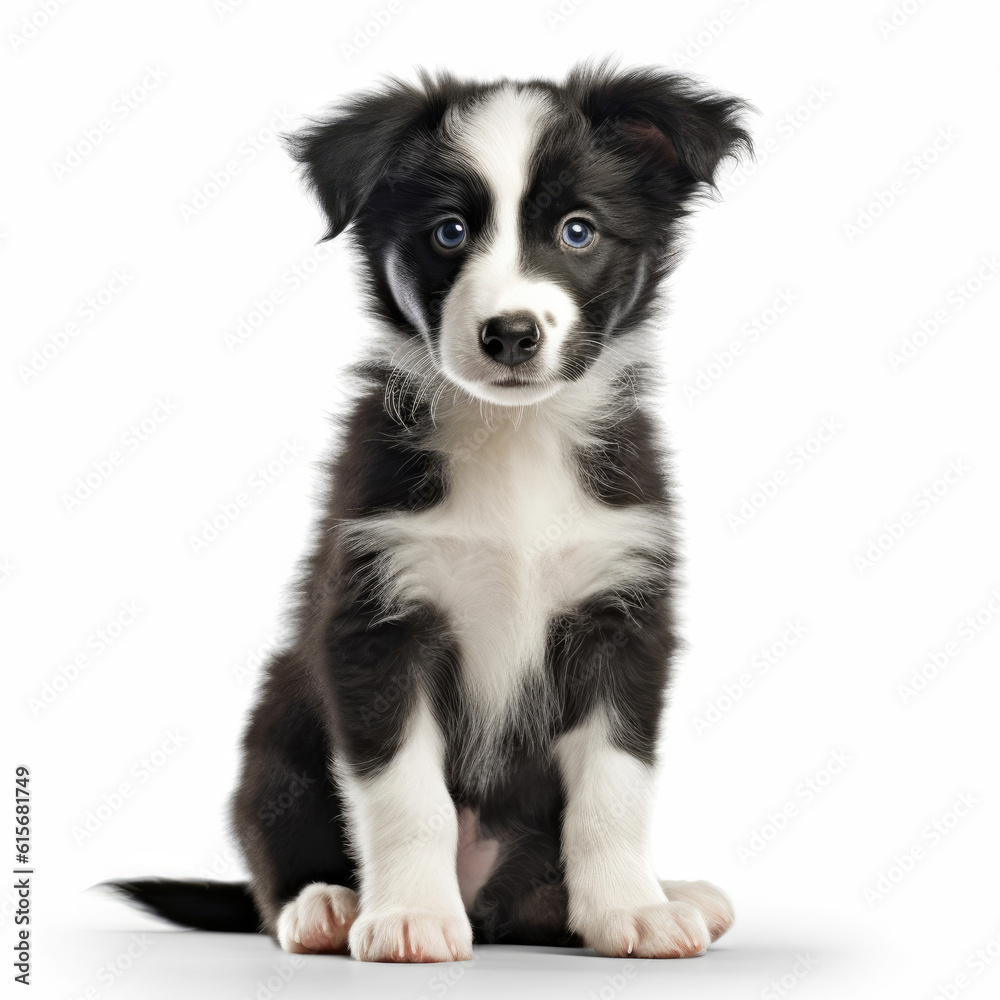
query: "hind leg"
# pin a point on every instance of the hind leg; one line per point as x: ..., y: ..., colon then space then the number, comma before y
x: 523, y: 900
x: 318, y: 920
x: 715, y: 906
x: 287, y: 815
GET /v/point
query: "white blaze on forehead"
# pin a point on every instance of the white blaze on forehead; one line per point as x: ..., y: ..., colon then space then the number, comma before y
x: 497, y: 136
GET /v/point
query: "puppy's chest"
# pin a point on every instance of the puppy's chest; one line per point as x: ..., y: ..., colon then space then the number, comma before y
x: 516, y: 539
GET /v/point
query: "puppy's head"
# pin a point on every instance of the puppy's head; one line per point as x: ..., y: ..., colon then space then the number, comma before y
x: 518, y: 229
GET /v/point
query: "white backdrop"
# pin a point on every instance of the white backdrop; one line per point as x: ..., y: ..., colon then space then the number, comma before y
x: 173, y: 338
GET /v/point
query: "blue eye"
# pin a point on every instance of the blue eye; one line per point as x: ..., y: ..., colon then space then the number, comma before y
x: 450, y: 235
x: 578, y: 233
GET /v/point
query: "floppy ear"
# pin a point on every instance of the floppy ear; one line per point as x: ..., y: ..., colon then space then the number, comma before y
x: 353, y: 147
x: 665, y: 119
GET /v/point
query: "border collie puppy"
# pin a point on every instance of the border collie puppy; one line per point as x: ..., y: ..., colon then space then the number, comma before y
x: 459, y: 743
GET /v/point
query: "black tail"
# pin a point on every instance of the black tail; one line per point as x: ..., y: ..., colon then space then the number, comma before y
x: 202, y: 905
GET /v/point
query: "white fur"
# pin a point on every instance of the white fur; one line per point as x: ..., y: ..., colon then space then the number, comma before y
x: 616, y: 903
x: 404, y: 828
x: 402, y: 291
x: 318, y: 919
x: 715, y: 905
x: 497, y: 137
x: 515, y: 540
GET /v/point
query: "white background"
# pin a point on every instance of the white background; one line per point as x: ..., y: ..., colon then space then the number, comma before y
x: 852, y: 213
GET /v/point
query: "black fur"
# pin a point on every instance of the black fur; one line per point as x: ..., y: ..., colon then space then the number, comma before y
x: 207, y: 906
x: 633, y: 149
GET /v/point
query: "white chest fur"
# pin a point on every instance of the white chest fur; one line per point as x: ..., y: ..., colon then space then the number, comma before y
x: 516, y: 539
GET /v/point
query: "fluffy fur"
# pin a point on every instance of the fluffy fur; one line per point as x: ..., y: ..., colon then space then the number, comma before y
x: 460, y: 741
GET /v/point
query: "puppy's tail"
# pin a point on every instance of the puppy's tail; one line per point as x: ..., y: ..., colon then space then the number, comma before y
x: 202, y: 905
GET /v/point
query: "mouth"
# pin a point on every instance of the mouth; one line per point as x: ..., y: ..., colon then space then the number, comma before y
x: 509, y: 390
x: 514, y: 383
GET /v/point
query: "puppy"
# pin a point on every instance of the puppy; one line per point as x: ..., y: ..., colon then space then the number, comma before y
x: 459, y: 743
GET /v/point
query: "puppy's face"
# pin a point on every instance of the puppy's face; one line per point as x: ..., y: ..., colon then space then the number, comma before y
x: 518, y: 229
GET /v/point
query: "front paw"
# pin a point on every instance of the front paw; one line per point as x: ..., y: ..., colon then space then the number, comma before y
x: 411, y: 936
x: 716, y: 907
x: 657, y: 930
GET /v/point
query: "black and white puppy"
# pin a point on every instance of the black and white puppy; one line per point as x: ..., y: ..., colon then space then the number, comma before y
x: 460, y: 741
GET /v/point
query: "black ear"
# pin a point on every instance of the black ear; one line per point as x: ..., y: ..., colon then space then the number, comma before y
x: 354, y: 146
x: 665, y: 119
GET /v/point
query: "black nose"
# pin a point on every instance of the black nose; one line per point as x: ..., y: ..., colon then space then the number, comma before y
x: 511, y: 338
